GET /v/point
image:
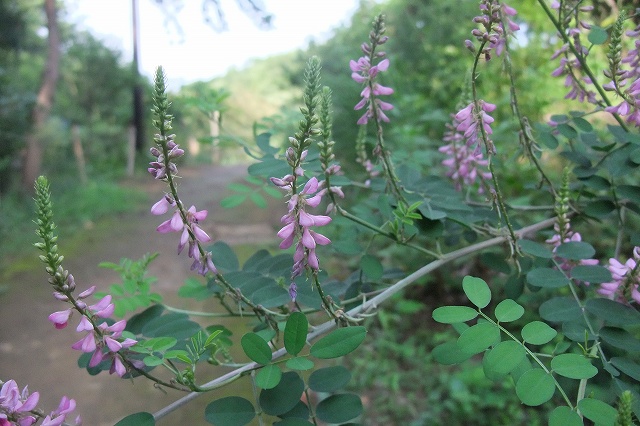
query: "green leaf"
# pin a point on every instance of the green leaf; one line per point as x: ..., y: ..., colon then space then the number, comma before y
x: 593, y: 274
x: 535, y: 249
x: 238, y: 187
x: 256, y: 348
x: 300, y: 363
x: 232, y: 201
x: 371, y: 267
x: 284, y: 396
x: 502, y: 359
x: 339, y: 408
x: 508, y: 310
x: 597, y: 35
x: 613, y: 312
x: 293, y: 421
x: 329, y: 379
x: 269, y: 376
x: 573, y: 366
x: 339, y: 342
x: 295, y: 333
x: 567, y: 131
x: 619, y: 338
x: 538, y: 333
x: 535, y: 387
x: 575, y: 250
x: 258, y: 200
x: 449, y: 353
x: 224, y: 257
x: 547, y: 278
x: 564, y: 416
x: 628, y: 367
x: 479, y: 337
x: 600, y: 208
x: 229, y: 411
x: 138, y: 419
x: 560, y: 309
x: 152, y: 361
x: 601, y: 413
x: 270, y: 296
x: 477, y: 291
x: 454, y: 314
x: 161, y: 344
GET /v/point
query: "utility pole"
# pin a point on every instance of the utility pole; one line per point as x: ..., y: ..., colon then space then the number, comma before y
x: 136, y: 134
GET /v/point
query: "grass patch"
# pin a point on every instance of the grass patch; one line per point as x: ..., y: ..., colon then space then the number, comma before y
x: 74, y: 208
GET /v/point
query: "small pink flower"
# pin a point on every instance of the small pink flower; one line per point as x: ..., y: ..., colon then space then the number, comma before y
x: 60, y: 319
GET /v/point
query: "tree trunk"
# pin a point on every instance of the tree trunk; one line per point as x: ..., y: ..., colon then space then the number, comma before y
x: 44, y: 101
x: 79, y: 153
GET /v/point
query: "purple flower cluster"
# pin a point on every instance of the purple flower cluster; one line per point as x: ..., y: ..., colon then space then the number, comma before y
x: 463, y: 160
x: 570, y: 65
x: 16, y: 408
x: 626, y: 277
x: 364, y: 72
x: 297, y: 226
x: 158, y: 168
x: 190, y: 232
x: 98, y: 337
x: 472, y: 121
x: 492, y: 35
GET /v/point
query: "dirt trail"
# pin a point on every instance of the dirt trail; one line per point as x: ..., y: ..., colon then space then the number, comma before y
x: 32, y: 352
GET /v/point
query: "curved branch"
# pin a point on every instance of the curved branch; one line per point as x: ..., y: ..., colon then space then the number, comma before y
x: 369, y: 305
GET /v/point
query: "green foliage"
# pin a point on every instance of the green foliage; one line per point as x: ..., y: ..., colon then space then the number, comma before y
x: 135, y: 290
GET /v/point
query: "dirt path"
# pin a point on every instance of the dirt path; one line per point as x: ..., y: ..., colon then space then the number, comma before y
x: 32, y: 352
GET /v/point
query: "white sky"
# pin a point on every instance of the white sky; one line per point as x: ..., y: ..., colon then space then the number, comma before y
x: 201, y: 53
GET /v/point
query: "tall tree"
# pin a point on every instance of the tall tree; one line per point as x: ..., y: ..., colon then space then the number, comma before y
x: 44, y: 101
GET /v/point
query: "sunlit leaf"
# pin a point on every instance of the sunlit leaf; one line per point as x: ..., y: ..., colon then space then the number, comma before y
x: 538, y: 333
x: 502, y: 359
x: 597, y: 411
x: 535, y: 387
x: 479, y: 337
x: 269, y: 376
x: 508, y: 310
x: 454, y: 314
x: 477, y: 291
x: 573, y: 366
x: 564, y: 416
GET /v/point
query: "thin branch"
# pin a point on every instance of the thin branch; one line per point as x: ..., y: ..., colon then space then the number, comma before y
x: 369, y: 305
